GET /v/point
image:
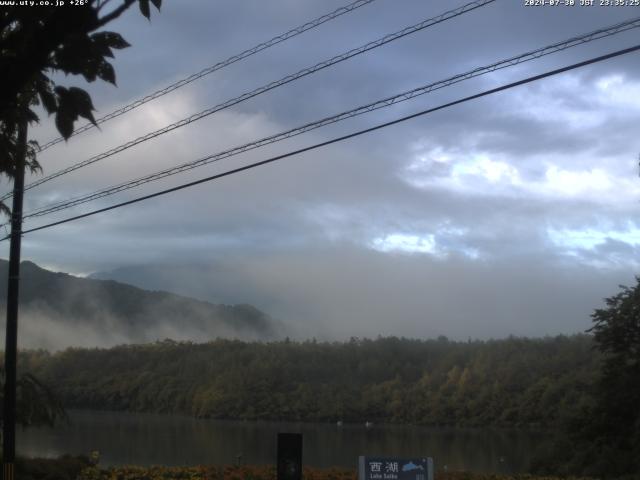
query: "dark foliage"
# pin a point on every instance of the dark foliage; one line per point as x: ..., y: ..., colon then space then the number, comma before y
x: 602, y: 437
x: 63, y: 468
x: 36, y: 404
x: 512, y: 382
x: 37, y: 43
x: 615, y: 423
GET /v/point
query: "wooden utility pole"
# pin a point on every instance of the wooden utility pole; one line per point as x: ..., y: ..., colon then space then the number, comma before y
x: 11, y: 340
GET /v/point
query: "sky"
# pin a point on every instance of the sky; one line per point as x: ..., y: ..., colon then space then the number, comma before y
x: 514, y: 214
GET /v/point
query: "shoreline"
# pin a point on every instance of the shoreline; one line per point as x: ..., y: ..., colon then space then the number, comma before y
x: 533, y: 428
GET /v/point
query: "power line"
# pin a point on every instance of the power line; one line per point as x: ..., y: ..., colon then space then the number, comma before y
x: 386, y: 102
x: 342, y: 138
x: 265, y: 88
x: 218, y: 66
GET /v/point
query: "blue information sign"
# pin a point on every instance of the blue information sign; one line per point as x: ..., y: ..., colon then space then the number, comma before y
x: 391, y: 468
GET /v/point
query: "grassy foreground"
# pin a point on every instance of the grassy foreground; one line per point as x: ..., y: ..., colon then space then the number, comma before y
x: 80, y: 468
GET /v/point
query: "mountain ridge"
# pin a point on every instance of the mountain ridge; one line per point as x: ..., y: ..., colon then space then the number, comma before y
x: 117, y: 312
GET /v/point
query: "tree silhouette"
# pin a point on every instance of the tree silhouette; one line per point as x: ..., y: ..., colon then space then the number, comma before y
x: 36, y: 403
x: 602, y: 437
x: 615, y: 425
x: 37, y: 43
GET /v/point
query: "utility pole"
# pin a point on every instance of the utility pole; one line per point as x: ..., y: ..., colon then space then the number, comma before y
x: 11, y: 340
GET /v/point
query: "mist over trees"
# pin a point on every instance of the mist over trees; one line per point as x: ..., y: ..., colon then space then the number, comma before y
x: 59, y: 310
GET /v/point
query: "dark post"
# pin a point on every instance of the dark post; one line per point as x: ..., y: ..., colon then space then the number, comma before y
x: 11, y: 341
x: 289, y: 456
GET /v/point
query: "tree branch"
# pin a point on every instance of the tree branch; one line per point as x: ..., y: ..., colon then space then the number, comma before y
x: 115, y: 13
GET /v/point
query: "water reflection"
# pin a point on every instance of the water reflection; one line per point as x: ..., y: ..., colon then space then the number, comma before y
x: 147, y: 439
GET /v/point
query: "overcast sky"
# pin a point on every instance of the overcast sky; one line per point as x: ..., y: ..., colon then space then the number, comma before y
x: 513, y: 214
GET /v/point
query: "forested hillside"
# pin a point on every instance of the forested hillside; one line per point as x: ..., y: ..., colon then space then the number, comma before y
x: 58, y: 309
x: 515, y: 381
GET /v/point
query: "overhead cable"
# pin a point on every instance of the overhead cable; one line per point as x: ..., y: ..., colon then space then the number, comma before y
x: 265, y: 88
x: 386, y: 102
x: 339, y: 139
x: 218, y: 66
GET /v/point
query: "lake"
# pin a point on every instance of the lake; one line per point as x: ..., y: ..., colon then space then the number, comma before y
x: 151, y: 439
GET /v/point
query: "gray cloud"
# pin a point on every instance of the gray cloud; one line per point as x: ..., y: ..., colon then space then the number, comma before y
x: 341, y: 291
x: 522, y: 205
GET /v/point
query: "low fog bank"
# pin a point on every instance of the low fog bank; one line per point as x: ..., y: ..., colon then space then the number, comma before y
x: 58, y: 310
x: 333, y: 294
x: 46, y: 330
x: 327, y: 294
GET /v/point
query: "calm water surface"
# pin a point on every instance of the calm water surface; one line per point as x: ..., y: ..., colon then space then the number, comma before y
x: 150, y: 439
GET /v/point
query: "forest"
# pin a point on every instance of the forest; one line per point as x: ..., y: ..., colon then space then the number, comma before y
x: 509, y: 382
